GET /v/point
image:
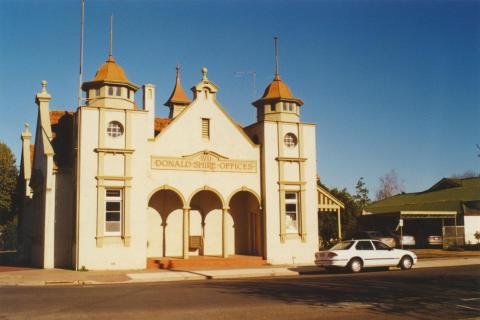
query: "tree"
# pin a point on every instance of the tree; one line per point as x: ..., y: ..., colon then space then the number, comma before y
x: 350, y: 214
x: 390, y: 185
x: 8, y: 184
x: 466, y: 174
x: 477, y: 236
x: 361, y: 194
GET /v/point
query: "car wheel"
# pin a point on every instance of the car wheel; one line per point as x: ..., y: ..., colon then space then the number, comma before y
x: 406, y: 263
x: 355, y: 265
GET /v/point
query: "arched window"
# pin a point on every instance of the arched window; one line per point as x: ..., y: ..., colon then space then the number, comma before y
x: 115, y: 129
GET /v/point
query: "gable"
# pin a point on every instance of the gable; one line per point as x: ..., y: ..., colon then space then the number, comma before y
x: 183, y: 135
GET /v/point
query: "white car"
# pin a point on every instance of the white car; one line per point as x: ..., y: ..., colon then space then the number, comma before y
x: 358, y: 254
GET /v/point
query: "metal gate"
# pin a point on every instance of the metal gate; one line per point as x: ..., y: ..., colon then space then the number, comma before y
x: 453, y: 236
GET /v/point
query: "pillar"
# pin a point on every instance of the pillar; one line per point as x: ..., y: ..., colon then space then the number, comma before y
x: 339, y: 225
x: 186, y: 233
x: 224, y: 232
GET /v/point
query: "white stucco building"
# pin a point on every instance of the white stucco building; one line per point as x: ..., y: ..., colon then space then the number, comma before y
x: 110, y: 185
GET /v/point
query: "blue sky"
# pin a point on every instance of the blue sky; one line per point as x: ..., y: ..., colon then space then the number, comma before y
x: 390, y: 84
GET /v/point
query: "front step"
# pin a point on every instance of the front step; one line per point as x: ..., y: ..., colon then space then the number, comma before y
x: 201, y: 262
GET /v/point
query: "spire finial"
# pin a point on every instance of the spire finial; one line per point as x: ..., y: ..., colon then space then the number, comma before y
x: 111, y: 37
x: 204, y: 73
x: 44, y: 85
x: 26, y: 127
x: 177, y: 68
x: 276, y: 57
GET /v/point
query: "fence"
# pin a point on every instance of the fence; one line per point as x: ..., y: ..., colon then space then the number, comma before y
x: 453, y: 236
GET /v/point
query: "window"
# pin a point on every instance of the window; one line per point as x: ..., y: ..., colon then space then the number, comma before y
x: 290, y: 107
x: 380, y: 245
x: 290, y: 140
x: 205, y: 128
x: 119, y: 91
x: 113, y: 212
x: 272, y: 108
x: 110, y: 91
x: 115, y: 129
x: 285, y: 106
x: 364, y: 245
x: 291, y: 212
x: 97, y: 92
x: 129, y: 92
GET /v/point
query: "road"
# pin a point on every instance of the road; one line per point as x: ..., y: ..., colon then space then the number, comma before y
x: 429, y: 293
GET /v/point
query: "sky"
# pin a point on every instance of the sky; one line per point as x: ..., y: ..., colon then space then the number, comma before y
x: 390, y: 84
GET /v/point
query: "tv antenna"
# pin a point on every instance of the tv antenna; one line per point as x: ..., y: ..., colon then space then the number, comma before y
x: 252, y: 73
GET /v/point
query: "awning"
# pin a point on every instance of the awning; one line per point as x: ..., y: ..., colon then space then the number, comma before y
x: 428, y: 214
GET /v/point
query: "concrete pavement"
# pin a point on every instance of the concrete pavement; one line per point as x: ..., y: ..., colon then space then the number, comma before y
x: 11, y: 276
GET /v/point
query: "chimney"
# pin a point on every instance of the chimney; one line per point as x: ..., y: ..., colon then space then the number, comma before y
x: 149, y: 105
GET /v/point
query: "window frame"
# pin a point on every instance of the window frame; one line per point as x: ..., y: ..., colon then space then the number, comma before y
x: 290, y: 140
x: 115, y: 132
x: 206, y: 129
x: 289, y: 213
x: 113, y: 199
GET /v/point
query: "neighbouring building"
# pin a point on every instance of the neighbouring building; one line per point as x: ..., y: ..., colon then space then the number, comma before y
x: 451, y: 205
x: 110, y: 185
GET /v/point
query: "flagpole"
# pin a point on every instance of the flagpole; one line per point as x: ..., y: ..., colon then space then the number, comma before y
x: 81, y: 55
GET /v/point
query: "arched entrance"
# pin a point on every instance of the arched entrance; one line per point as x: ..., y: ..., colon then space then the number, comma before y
x: 164, y: 224
x: 248, y: 225
x: 206, y: 222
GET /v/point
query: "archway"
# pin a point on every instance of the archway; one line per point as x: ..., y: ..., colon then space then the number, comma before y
x: 248, y: 224
x: 206, y: 222
x: 164, y: 224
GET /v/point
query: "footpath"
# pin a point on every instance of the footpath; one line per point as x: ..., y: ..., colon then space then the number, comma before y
x: 18, y: 276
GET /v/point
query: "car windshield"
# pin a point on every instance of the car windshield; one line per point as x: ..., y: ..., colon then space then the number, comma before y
x: 343, y: 245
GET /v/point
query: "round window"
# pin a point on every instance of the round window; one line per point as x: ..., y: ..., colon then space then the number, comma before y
x: 115, y: 129
x: 290, y: 140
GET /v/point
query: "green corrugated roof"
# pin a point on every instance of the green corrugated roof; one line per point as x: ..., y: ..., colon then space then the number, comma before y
x: 445, y: 195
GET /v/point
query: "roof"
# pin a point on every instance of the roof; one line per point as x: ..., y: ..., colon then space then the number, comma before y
x: 178, y: 95
x: 278, y: 90
x: 110, y: 72
x: 326, y: 200
x: 62, y: 122
x: 161, y: 123
x: 446, y: 195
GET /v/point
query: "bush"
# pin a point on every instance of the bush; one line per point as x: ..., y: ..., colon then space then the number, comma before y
x: 8, y: 235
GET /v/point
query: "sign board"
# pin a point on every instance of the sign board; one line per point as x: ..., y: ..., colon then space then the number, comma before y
x: 204, y: 161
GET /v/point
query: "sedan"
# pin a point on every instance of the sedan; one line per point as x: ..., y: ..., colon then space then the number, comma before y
x: 435, y: 240
x: 354, y: 255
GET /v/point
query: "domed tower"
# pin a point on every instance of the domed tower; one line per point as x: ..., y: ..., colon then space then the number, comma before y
x: 110, y: 87
x: 278, y: 102
x: 288, y: 172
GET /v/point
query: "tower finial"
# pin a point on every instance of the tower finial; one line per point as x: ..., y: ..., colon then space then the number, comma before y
x: 177, y: 68
x: 204, y: 73
x: 276, y: 58
x: 44, y: 85
x: 111, y: 37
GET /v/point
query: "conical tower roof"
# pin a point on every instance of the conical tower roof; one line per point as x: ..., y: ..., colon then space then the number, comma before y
x: 178, y: 95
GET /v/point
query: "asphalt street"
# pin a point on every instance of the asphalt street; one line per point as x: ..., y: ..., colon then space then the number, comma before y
x: 428, y: 293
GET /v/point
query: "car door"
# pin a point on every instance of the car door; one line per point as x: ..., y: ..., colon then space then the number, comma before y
x: 385, y: 255
x: 364, y: 249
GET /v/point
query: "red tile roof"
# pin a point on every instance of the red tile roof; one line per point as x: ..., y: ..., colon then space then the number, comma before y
x: 161, y: 123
